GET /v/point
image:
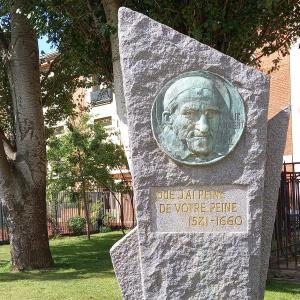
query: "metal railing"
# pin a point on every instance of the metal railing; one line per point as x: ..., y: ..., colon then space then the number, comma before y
x: 118, y: 210
x: 101, y: 97
x: 113, y: 210
x: 3, y: 224
x: 285, y: 251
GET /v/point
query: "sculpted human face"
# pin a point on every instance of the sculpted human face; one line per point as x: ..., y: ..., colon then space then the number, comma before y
x: 198, y: 118
x: 195, y: 121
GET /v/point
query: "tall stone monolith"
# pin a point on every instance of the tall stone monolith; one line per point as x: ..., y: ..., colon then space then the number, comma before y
x: 198, y: 133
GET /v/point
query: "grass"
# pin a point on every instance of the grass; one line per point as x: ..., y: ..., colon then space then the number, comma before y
x: 282, y: 291
x: 83, y: 271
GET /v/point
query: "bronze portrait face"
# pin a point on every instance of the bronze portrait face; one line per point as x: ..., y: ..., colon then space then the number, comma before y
x: 198, y: 118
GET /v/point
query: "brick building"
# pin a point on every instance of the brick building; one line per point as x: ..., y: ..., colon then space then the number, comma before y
x: 285, y: 91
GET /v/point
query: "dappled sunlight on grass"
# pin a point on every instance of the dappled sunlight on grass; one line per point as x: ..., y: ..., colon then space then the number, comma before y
x: 83, y: 270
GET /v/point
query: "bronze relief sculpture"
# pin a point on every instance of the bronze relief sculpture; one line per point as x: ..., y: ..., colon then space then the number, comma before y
x: 198, y: 118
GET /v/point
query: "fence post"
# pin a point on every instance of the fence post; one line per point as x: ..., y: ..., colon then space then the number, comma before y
x: 286, y: 236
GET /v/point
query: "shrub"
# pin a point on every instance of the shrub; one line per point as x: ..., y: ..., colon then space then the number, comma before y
x: 105, y: 229
x: 77, y: 224
x: 107, y: 219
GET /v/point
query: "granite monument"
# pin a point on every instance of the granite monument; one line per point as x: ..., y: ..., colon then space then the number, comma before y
x: 205, y: 168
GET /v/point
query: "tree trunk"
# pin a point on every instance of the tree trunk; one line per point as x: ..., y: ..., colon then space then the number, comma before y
x: 132, y: 208
x: 23, y: 180
x: 121, y: 210
x: 28, y: 233
x: 87, y: 212
x: 79, y: 207
x: 122, y: 213
x: 85, y: 201
x: 111, y: 8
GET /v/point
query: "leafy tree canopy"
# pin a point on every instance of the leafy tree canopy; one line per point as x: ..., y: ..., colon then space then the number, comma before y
x: 82, y: 160
x: 84, y: 155
x: 237, y: 28
x: 81, y: 33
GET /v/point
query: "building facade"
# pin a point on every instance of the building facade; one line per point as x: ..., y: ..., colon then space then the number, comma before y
x: 285, y: 92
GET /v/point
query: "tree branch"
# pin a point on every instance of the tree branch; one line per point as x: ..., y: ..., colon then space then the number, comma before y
x: 121, y: 207
x: 9, y: 149
x: 4, y: 45
x: 124, y: 179
x: 5, y: 175
x: 279, y: 47
x: 89, y: 5
x: 49, y: 70
x: 82, y: 26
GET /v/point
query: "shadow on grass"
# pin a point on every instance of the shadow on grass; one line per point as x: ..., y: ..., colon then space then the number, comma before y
x: 75, y: 258
x: 4, y: 263
x: 283, y: 287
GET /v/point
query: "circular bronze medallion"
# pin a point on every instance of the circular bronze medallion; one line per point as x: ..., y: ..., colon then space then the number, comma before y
x: 198, y: 118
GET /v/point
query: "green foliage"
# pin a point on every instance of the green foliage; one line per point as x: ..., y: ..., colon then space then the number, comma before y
x: 81, y: 33
x: 237, y: 28
x: 81, y: 160
x: 83, y: 43
x: 105, y: 229
x: 96, y: 211
x: 76, y: 224
x: 83, y: 157
x: 108, y: 218
x: 6, y: 111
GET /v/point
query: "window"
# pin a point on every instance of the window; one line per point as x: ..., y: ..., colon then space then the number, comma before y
x: 101, y: 96
x: 107, y: 121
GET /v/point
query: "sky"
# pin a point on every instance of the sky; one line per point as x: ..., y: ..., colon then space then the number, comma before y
x: 44, y: 46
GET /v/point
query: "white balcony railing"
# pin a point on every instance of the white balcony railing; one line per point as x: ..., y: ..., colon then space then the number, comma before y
x: 101, y: 97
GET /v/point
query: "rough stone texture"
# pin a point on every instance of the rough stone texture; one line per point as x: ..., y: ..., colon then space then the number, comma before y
x: 277, y: 131
x: 126, y: 261
x: 191, y: 265
x: 125, y: 253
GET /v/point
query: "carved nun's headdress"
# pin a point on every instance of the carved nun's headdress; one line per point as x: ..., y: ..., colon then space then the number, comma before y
x: 198, y: 88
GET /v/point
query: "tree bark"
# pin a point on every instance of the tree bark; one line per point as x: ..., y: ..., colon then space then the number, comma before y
x: 85, y: 201
x: 87, y: 212
x: 23, y: 180
x: 111, y: 8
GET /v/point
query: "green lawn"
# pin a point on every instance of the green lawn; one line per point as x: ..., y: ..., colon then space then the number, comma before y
x: 83, y: 271
x: 282, y: 291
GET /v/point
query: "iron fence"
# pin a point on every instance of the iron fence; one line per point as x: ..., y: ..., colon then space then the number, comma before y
x: 107, y: 209
x: 3, y: 224
x: 113, y: 210
x: 285, y: 250
x: 117, y: 210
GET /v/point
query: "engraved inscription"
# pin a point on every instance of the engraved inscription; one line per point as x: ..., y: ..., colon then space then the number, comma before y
x: 209, y: 209
x: 198, y: 118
